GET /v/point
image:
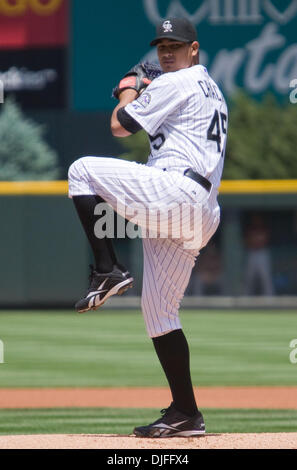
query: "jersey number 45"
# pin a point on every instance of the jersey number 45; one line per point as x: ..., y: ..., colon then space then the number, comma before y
x: 217, y: 128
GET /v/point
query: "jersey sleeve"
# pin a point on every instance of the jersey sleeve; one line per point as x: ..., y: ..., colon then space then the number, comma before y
x: 153, y: 106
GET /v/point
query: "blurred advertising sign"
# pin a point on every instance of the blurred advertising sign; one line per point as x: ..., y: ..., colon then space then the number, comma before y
x: 36, y: 77
x: 30, y: 23
x: 33, y: 51
x: 244, y: 43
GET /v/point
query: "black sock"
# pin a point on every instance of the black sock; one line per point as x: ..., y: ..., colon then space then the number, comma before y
x: 102, y: 248
x: 173, y: 353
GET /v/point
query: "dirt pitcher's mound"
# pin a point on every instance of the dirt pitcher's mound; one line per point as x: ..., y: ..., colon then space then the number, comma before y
x: 114, y: 441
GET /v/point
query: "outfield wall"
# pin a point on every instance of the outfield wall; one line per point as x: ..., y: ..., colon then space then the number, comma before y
x: 45, y: 256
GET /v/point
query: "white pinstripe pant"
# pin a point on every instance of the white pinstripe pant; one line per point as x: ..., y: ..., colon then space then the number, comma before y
x: 168, y: 262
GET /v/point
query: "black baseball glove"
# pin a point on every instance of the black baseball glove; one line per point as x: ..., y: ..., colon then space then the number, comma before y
x: 138, y: 78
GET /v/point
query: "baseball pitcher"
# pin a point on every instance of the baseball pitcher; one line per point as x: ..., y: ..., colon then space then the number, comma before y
x: 185, y: 117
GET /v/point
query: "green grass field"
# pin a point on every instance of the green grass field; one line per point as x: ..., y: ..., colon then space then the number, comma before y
x: 123, y: 421
x: 111, y: 348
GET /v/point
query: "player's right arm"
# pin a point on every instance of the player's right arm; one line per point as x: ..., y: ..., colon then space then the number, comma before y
x: 159, y: 100
x: 117, y: 128
x: 148, y: 111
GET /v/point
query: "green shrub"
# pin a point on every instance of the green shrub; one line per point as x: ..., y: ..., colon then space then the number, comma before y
x: 24, y: 155
x: 262, y: 139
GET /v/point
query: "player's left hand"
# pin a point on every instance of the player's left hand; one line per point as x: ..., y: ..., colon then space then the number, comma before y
x: 138, y: 78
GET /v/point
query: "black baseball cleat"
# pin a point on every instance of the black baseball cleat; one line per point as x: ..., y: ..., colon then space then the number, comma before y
x: 173, y: 423
x: 103, y: 286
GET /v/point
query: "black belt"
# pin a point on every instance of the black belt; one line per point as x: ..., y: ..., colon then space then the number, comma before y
x: 198, y: 178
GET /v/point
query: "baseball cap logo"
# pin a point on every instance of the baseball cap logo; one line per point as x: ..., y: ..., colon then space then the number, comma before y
x: 167, y: 26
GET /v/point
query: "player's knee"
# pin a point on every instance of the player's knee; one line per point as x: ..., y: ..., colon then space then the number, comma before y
x: 163, y: 333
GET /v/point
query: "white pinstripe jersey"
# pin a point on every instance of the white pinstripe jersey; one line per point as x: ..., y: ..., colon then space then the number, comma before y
x: 186, y: 118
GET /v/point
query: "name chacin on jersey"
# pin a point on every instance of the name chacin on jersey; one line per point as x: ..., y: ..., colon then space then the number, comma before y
x: 209, y: 90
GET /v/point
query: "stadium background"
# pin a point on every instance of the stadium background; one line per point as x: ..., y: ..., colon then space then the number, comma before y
x: 60, y: 60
